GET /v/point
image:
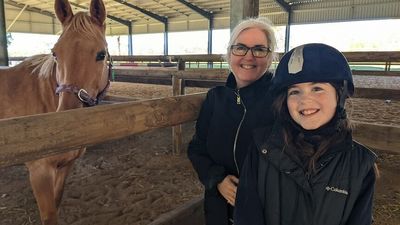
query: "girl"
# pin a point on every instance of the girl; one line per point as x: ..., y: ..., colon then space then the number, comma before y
x: 306, y: 169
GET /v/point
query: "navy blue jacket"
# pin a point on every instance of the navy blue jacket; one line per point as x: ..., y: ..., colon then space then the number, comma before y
x: 223, y: 134
x: 274, y: 189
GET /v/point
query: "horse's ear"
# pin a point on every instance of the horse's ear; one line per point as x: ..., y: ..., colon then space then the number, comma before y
x: 98, y: 11
x: 63, y: 11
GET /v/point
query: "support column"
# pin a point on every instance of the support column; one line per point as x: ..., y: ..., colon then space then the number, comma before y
x: 3, y: 36
x: 288, y: 9
x: 130, y: 46
x: 287, y: 32
x: 166, y: 38
x: 210, y: 41
x: 210, y: 34
x: 241, y: 9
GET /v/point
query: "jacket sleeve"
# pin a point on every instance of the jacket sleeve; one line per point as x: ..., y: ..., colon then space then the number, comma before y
x: 248, y: 207
x: 209, y: 173
x: 361, y: 213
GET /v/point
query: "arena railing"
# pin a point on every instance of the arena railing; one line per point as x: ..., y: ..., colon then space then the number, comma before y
x: 177, y: 70
x: 182, y: 71
x: 27, y: 138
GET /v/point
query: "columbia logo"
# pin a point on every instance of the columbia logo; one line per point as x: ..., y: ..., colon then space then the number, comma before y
x: 334, y: 189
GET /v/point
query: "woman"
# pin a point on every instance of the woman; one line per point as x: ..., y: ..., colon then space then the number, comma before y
x: 306, y: 168
x: 229, y: 114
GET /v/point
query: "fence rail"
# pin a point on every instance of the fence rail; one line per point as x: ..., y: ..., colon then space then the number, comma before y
x: 375, y: 56
x: 385, y: 63
x: 179, y: 77
x: 200, y: 78
x: 27, y: 138
x: 31, y: 137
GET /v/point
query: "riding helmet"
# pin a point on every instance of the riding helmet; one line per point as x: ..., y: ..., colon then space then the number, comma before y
x: 313, y: 63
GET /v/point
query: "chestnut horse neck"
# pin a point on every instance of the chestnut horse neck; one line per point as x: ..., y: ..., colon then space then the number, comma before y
x: 28, y: 88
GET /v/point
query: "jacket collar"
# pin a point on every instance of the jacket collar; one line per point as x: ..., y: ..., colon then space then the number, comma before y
x: 276, y: 155
x: 270, y: 143
x: 231, y: 81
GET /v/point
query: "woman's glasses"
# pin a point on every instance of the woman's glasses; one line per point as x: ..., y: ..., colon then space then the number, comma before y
x: 257, y: 51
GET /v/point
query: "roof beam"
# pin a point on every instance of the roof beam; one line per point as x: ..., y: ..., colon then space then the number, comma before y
x: 148, y: 13
x: 288, y: 8
x: 284, y: 5
x: 31, y: 9
x: 16, y: 18
x: 207, y: 15
x: 119, y: 20
x: 197, y: 9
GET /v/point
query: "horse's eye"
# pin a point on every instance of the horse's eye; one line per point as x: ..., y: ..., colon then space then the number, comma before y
x: 101, y: 56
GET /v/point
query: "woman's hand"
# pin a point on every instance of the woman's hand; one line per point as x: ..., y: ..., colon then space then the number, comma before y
x: 228, y: 187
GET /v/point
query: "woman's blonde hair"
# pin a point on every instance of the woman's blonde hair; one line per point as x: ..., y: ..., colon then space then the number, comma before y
x: 261, y: 23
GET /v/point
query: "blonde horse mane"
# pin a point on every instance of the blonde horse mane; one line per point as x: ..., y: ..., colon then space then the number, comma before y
x: 43, y: 65
x: 81, y: 22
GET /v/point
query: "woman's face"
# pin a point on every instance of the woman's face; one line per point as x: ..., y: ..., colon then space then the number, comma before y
x: 248, y: 68
x: 311, y: 105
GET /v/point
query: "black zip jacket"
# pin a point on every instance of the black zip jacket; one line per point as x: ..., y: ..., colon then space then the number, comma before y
x: 274, y: 189
x: 223, y: 133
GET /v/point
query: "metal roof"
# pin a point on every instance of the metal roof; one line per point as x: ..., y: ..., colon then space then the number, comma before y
x: 148, y: 16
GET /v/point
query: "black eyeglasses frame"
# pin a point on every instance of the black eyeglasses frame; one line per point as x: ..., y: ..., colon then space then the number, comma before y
x: 268, y: 50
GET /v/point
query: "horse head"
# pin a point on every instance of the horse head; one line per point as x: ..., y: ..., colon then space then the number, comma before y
x: 81, y: 56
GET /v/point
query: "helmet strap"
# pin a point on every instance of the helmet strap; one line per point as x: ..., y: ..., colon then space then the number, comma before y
x: 341, y: 111
x: 343, y: 95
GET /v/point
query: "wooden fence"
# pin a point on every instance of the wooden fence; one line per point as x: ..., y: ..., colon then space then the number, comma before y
x: 380, y: 63
x: 208, y: 78
x: 211, y: 77
x: 18, y: 146
x: 31, y: 137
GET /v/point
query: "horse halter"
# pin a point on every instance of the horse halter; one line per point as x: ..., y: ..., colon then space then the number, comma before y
x: 82, y: 94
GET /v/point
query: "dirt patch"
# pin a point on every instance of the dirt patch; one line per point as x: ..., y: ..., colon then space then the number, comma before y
x: 136, y: 179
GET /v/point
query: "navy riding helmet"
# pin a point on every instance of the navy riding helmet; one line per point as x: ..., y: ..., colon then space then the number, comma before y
x: 313, y: 63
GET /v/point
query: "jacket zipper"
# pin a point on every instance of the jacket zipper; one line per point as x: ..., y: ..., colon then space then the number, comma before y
x: 238, y: 102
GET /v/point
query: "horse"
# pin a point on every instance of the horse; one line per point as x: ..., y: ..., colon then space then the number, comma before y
x: 76, y: 74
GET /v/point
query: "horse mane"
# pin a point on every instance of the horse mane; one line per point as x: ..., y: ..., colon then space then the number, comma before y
x: 42, y: 64
x: 81, y: 22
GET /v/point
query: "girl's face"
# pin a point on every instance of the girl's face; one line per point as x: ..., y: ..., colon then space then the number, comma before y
x: 311, y: 105
x: 248, y: 68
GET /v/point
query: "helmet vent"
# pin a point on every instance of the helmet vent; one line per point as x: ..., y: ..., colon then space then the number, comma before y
x: 296, y: 60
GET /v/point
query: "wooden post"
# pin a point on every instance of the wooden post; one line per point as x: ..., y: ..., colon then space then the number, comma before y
x: 242, y: 9
x: 182, y: 66
x: 177, y: 89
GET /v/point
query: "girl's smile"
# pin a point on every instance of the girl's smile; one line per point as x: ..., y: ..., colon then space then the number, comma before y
x: 311, y: 105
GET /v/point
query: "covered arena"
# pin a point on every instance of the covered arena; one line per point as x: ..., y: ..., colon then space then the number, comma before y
x: 135, y: 170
